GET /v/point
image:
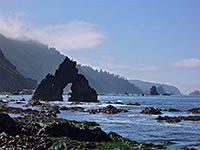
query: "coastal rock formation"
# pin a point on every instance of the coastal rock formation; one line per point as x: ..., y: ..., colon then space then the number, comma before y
x: 51, y: 88
x: 195, y: 93
x: 153, y: 91
x: 151, y: 110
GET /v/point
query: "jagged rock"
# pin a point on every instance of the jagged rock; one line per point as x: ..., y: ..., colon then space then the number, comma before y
x: 8, y: 125
x: 81, y: 91
x: 151, y: 110
x: 51, y: 88
x: 60, y: 129
x: 153, y: 91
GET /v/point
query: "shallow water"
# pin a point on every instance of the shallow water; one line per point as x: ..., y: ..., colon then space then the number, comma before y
x: 137, y: 126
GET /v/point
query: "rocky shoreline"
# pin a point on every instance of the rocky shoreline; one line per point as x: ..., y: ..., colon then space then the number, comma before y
x: 41, y: 129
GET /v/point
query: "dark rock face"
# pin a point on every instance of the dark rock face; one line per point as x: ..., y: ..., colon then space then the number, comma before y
x: 153, y: 91
x: 8, y: 125
x: 81, y: 91
x: 51, y: 88
x: 65, y: 129
x: 151, y: 110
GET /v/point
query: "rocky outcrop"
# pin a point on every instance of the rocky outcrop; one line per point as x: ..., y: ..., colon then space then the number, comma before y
x: 195, y: 93
x: 51, y: 88
x: 151, y: 110
x: 65, y: 129
x: 153, y: 91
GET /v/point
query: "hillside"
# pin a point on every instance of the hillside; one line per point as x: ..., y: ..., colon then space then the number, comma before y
x: 10, y: 79
x: 35, y: 60
x: 111, y: 83
x: 145, y: 86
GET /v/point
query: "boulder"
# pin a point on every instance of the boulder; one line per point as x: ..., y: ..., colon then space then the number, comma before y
x: 151, y: 110
x: 51, y: 88
x: 8, y: 125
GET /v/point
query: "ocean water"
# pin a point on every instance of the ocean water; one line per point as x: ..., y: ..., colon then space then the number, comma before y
x: 137, y: 126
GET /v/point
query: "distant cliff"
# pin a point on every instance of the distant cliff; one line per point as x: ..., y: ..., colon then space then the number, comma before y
x: 35, y: 60
x: 10, y: 79
x: 145, y: 86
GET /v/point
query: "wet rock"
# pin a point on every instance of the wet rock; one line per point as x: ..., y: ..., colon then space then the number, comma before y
x: 109, y: 102
x: 8, y: 125
x: 76, y: 103
x: 136, y: 104
x: 24, y: 142
x: 76, y: 109
x: 65, y: 129
x: 32, y: 103
x: 107, y: 110
x: 174, y: 110
x: 178, y: 119
x: 151, y: 110
x: 118, y: 103
x: 51, y: 88
x: 194, y: 110
x: 186, y: 148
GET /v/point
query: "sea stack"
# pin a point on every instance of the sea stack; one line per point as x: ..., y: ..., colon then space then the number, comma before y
x: 153, y: 91
x: 51, y: 88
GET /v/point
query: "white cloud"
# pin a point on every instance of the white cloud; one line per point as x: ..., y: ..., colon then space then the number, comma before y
x: 75, y: 35
x: 187, y: 63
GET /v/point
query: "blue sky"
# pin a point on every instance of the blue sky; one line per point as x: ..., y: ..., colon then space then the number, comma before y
x: 151, y: 40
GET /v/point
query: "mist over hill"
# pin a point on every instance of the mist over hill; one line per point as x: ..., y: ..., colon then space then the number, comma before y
x: 145, y: 86
x: 35, y: 60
